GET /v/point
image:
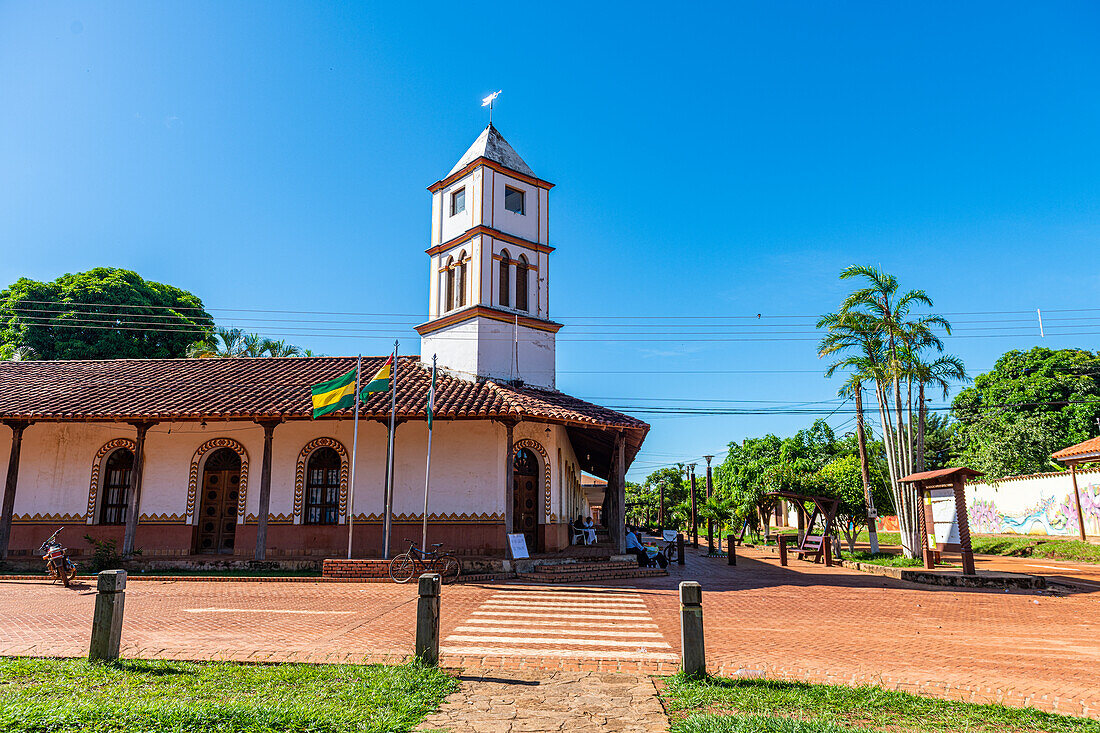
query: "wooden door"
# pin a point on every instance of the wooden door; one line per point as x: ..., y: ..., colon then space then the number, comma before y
x: 221, y: 483
x: 525, y: 497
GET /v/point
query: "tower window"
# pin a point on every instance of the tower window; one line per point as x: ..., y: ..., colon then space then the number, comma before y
x: 460, y: 280
x: 458, y: 201
x: 521, y: 283
x: 449, y: 285
x: 505, y: 278
x: 513, y: 200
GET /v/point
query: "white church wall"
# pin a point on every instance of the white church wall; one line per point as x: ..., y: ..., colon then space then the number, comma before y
x: 454, y: 226
x: 498, y: 347
x: 524, y: 225
x: 456, y: 348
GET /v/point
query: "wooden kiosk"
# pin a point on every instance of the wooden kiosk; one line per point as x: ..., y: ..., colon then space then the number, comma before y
x: 1075, y: 455
x: 943, y: 484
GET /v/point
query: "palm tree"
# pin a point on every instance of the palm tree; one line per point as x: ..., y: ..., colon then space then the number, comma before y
x: 225, y: 342
x: 875, y: 324
x: 937, y: 374
x: 280, y: 348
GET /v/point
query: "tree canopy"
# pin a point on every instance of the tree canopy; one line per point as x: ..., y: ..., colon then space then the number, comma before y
x: 104, y: 313
x: 1030, y: 405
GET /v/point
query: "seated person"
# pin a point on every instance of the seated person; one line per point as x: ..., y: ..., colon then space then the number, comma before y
x: 589, y: 531
x: 578, y: 528
x: 634, y: 547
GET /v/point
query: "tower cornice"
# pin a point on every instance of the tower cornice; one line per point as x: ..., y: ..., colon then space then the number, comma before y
x: 481, y: 229
x: 483, y: 161
x: 492, y: 314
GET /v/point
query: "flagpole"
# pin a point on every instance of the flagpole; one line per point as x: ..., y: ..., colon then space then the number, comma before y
x: 387, y: 524
x: 354, y: 449
x: 428, y: 467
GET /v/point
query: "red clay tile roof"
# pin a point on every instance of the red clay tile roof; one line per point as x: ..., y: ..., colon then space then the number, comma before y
x: 251, y: 388
x: 940, y: 473
x: 1088, y: 449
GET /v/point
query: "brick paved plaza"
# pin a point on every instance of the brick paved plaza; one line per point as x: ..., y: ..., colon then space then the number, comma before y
x: 803, y: 622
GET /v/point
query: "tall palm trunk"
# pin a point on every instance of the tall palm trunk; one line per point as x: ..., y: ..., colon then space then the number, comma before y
x: 922, y: 417
x: 872, y: 531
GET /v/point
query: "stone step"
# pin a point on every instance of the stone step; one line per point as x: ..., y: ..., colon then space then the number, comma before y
x: 593, y: 575
x: 583, y: 567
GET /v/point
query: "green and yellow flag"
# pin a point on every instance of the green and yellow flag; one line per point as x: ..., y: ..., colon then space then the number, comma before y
x: 333, y: 395
x: 380, y: 382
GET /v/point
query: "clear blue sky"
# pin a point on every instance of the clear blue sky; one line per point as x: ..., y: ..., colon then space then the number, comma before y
x: 717, y: 160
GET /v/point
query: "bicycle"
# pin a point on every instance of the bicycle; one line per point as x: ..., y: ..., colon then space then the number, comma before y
x: 415, y: 559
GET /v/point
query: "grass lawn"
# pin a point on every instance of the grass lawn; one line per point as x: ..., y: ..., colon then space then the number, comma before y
x: 884, y: 558
x: 64, y: 695
x: 763, y: 706
x: 1048, y: 547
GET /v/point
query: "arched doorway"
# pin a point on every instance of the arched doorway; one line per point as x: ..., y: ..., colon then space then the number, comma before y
x: 221, y: 483
x: 525, y: 496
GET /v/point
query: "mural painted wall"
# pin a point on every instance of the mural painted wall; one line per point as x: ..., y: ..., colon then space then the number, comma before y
x: 1040, y: 504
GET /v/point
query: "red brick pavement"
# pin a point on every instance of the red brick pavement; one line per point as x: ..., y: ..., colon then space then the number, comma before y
x: 803, y: 622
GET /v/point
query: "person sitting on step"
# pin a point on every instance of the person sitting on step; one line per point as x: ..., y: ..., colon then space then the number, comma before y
x: 634, y: 547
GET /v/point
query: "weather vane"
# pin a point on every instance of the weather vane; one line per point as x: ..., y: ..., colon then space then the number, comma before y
x: 488, y: 102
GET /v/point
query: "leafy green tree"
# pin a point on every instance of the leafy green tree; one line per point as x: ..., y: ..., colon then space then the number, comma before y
x: 842, y: 479
x: 1031, y: 404
x: 104, y: 313
x: 676, y: 490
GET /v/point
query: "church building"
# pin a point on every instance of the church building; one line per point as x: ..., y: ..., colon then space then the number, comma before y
x: 220, y: 458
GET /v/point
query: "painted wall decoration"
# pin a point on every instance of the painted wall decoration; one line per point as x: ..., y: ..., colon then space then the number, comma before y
x: 1040, y: 504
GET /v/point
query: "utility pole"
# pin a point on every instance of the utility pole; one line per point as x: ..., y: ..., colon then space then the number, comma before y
x: 710, y: 522
x: 661, y: 509
x: 694, y: 517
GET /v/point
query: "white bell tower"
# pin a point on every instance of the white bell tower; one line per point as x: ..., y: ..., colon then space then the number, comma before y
x: 488, y: 309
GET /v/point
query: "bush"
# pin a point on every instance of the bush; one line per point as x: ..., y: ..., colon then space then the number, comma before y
x: 105, y: 554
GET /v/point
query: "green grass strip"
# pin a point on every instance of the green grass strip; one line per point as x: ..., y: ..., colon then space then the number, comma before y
x: 58, y: 696
x: 717, y: 704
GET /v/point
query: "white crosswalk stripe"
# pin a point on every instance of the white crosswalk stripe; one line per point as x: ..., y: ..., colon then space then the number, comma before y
x: 575, y: 623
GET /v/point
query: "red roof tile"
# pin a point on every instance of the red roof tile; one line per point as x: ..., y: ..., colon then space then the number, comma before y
x: 1088, y: 449
x: 940, y: 473
x: 251, y: 388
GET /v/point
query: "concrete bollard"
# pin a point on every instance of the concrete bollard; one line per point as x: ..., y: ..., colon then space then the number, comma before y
x: 680, y: 548
x: 731, y: 554
x: 783, y: 550
x: 692, y: 653
x: 107, y: 617
x: 427, y: 619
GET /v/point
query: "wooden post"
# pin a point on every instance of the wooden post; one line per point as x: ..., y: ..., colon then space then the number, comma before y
x: 692, y: 649
x: 694, y: 516
x: 107, y: 617
x: 265, y: 490
x: 679, y: 548
x: 1076, y: 501
x: 959, y: 487
x: 17, y: 428
x: 509, y: 479
x: 827, y: 550
x: 661, y: 509
x: 133, y: 501
x: 783, y: 550
x: 620, y: 492
x: 427, y: 619
x: 731, y: 553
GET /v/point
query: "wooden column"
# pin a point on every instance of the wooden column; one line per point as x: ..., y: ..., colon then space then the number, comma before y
x: 17, y: 428
x: 133, y: 501
x: 1076, y: 501
x: 618, y: 470
x: 959, y: 488
x: 509, y: 478
x: 265, y: 489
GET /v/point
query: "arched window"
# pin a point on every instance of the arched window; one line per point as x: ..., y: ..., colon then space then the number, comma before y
x: 505, y: 278
x: 449, y: 285
x: 116, y: 487
x: 521, y: 283
x: 460, y: 280
x: 322, y: 487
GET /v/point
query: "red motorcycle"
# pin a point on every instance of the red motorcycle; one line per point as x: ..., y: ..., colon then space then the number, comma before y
x: 58, y: 564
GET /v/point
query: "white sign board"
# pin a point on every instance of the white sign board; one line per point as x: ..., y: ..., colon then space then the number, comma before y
x: 517, y: 544
x: 669, y: 535
x: 943, y: 513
